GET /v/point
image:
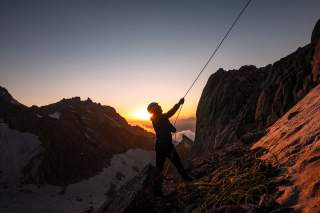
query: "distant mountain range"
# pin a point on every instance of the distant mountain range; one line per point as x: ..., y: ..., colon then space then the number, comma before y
x: 76, y: 138
x: 69, y: 151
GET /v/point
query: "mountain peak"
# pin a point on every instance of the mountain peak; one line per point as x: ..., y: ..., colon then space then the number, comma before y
x: 75, y: 99
x: 4, y: 92
x: 6, y: 97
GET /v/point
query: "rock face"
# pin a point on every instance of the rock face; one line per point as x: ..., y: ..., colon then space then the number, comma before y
x: 78, y: 137
x: 6, y: 97
x: 293, y: 143
x: 227, y: 99
x: 237, y: 105
x: 184, y: 147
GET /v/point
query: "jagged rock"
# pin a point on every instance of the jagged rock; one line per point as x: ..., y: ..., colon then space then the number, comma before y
x: 237, y: 102
x: 226, y: 97
x: 6, y: 97
x: 184, y: 147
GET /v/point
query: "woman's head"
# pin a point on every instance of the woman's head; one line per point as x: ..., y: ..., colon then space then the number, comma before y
x: 154, y: 108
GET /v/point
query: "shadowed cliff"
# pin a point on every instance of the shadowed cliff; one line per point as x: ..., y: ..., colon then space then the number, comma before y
x: 236, y: 106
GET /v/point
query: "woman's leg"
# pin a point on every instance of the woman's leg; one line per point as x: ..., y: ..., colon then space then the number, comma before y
x: 175, y: 159
x: 160, y: 159
x: 158, y: 179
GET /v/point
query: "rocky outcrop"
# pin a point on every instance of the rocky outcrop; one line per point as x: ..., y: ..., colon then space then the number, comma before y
x: 293, y: 143
x: 227, y: 99
x: 184, y: 147
x: 6, y: 97
x: 78, y: 137
x: 238, y: 105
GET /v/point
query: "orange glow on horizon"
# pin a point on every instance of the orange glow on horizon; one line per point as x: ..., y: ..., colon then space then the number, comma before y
x: 141, y: 114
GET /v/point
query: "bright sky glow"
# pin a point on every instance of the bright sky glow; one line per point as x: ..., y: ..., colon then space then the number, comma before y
x: 141, y: 114
x: 127, y: 54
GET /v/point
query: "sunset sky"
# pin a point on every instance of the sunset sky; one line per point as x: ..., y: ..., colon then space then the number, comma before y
x: 128, y: 53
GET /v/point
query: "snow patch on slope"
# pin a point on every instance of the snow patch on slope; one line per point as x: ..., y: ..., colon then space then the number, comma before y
x: 15, y: 102
x: 81, y: 195
x: 16, y: 151
x: 187, y: 133
x: 55, y: 115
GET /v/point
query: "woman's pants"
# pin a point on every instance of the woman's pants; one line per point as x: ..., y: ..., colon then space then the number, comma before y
x: 164, y: 151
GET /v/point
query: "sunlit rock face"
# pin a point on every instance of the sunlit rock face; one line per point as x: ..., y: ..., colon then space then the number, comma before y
x: 293, y: 144
x: 237, y: 105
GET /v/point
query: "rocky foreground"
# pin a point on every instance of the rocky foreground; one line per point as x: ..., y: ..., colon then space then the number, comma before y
x: 293, y: 143
x: 256, y: 148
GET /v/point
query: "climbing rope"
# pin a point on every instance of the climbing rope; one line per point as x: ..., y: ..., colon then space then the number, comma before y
x: 219, y: 45
x: 226, y: 35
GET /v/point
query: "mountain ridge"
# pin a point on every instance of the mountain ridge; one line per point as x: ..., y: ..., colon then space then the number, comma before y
x: 86, y: 135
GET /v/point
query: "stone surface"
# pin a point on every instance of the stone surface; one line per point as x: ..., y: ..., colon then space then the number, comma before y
x: 293, y: 143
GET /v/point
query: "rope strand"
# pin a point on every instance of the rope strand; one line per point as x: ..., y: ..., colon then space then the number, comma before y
x: 219, y: 45
x: 207, y: 63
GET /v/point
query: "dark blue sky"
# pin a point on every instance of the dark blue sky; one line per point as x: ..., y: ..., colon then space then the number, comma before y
x: 127, y: 53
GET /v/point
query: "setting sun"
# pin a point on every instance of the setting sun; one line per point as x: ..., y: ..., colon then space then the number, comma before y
x: 142, y: 114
